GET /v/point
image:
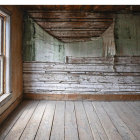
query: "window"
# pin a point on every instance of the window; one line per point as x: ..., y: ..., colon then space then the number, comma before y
x: 1, y: 54
x: 4, y: 52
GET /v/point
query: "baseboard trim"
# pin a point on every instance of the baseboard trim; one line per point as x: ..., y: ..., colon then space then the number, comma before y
x: 95, y: 97
x: 10, y: 109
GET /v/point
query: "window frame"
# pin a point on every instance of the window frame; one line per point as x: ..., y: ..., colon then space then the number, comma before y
x: 2, y: 74
x: 6, y: 56
x: 2, y: 45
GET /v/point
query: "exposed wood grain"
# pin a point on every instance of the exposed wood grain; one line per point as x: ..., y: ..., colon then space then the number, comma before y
x: 90, y: 25
x: 12, y: 119
x: 119, y: 124
x: 28, y: 67
x: 136, y: 106
x: 46, y: 122
x: 80, y: 8
x: 5, y: 114
x: 57, y: 132
x: 88, y: 96
x: 74, y: 120
x: 84, y: 76
x: 66, y: 14
x: 33, y: 124
x: 80, y: 78
x: 75, y: 29
x: 106, y: 60
x: 70, y: 40
x: 75, y: 33
x: 82, y: 122
x: 133, y: 108
x: 71, y: 132
x: 42, y: 19
x: 75, y: 13
x: 20, y: 125
x: 112, y: 133
x: 133, y: 115
x: 95, y: 124
x: 126, y: 119
x: 89, y: 60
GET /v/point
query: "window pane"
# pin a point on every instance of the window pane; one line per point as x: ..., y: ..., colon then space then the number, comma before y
x: 1, y: 75
x: 1, y: 67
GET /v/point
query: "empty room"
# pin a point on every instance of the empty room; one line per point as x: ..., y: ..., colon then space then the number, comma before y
x: 69, y: 72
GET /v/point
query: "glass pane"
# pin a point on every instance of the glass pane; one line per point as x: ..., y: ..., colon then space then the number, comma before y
x: 1, y: 75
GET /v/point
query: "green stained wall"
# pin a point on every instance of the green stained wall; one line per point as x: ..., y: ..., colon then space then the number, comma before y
x: 127, y: 34
x: 38, y: 45
x: 84, y: 49
x: 28, y: 40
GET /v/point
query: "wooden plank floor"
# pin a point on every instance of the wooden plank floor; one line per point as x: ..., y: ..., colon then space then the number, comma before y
x: 73, y: 120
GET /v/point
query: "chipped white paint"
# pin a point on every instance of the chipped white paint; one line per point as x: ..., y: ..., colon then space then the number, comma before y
x: 102, y: 77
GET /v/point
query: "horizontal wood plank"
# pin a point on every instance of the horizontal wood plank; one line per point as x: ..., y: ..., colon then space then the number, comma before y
x: 91, y: 75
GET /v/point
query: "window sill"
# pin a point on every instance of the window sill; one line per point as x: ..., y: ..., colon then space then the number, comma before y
x: 4, y: 98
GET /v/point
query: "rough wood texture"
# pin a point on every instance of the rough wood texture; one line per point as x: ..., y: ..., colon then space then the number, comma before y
x: 58, y: 122
x: 16, y: 56
x: 60, y: 24
x: 114, y: 75
x: 69, y: 17
x: 46, y: 122
x: 5, y: 114
x: 70, y: 120
x: 91, y: 97
x: 91, y: 8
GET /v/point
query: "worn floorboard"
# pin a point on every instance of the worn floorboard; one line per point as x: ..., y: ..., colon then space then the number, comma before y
x: 73, y: 120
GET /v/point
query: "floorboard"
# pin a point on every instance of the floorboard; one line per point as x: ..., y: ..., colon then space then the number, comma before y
x: 46, y: 122
x: 71, y: 130
x: 73, y: 120
x: 33, y: 124
x: 82, y: 122
x: 57, y: 132
x: 12, y: 119
x: 21, y: 123
x: 108, y: 125
x: 127, y: 119
x: 118, y: 123
x: 96, y: 126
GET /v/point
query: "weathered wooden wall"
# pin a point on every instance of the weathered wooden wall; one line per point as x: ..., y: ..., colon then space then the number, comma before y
x: 16, y: 56
x: 114, y: 75
x: 95, y: 67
